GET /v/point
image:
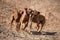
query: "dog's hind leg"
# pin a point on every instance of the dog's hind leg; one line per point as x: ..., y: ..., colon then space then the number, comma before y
x: 38, y: 27
x: 42, y: 24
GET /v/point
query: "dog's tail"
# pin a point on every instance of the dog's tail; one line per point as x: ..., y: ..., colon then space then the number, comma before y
x: 12, y: 20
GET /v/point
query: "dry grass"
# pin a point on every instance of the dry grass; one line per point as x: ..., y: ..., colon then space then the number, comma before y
x: 49, y: 8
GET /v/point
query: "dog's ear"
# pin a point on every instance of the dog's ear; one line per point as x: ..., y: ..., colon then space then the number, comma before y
x: 25, y: 8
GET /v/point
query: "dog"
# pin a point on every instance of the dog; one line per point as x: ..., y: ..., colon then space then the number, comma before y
x: 17, y: 18
x: 39, y: 19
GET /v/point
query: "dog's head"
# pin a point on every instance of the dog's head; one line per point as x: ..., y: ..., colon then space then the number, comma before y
x: 28, y: 10
x: 20, y: 12
x: 36, y: 13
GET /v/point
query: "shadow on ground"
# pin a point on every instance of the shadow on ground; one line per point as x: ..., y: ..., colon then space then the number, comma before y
x: 43, y: 33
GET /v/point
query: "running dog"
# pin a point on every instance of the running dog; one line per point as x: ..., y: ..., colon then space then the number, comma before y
x: 16, y: 17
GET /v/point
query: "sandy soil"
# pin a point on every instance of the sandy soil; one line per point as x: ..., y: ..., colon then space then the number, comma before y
x: 49, y: 8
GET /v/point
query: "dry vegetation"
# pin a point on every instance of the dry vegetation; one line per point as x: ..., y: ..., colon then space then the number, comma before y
x: 49, y: 8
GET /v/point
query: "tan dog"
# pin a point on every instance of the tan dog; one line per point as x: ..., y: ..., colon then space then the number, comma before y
x: 16, y: 18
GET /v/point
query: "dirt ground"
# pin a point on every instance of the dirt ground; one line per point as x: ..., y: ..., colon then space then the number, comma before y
x: 49, y: 8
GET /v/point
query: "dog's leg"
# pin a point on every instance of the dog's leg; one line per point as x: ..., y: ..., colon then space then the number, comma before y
x: 42, y: 24
x: 18, y: 26
x: 30, y: 24
x: 38, y: 27
x: 26, y: 24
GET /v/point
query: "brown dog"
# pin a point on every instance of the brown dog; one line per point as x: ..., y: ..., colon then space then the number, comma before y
x: 39, y: 19
x: 17, y: 18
